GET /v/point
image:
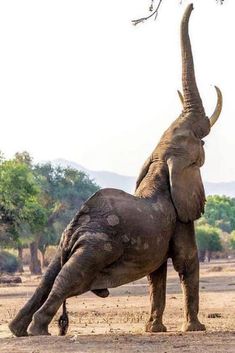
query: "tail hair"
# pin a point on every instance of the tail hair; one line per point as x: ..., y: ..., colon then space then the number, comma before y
x: 63, y: 321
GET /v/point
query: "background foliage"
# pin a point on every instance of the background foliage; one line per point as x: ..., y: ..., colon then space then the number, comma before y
x: 37, y: 201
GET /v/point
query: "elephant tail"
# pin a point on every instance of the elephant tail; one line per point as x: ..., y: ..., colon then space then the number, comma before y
x: 63, y: 321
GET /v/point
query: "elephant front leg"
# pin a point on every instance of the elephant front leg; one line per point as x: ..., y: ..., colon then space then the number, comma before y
x: 185, y: 260
x: 189, y: 279
x: 157, y: 286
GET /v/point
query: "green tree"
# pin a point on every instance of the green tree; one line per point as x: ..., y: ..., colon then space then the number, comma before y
x: 24, y: 157
x: 232, y: 240
x: 21, y: 211
x: 1, y: 157
x: 63, y: 192
x: 18, y: 192
x: 220, y: 212
x: 37, y: 202
x: 208, y: 241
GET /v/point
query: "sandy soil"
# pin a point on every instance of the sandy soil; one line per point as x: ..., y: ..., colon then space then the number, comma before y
x: 116, y: 324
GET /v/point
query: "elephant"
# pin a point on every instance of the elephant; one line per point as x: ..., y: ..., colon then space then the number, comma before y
x: 116, y: 238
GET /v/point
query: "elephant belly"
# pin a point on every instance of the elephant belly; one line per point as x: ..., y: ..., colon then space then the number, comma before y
x: 130, y: 268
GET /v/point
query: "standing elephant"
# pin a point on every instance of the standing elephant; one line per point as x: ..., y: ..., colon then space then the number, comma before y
x: 117, y: 238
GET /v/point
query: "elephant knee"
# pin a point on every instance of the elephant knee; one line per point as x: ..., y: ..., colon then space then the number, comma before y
x: 186, y: 266
x: 179, y: 265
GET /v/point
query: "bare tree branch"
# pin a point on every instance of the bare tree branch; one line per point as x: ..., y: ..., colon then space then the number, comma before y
x: 154, y: 13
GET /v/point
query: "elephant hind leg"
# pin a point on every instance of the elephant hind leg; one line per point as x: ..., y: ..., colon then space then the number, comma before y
x: 21, y: 321
x: 75, y: 278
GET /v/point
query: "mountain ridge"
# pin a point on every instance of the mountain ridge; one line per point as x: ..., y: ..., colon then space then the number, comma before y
x: 107, y: 179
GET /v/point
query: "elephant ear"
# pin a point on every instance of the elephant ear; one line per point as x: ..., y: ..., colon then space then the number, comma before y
x: 187, y: 190
x: 143, y: 172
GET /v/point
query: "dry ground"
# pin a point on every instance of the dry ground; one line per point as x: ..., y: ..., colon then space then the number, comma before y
x: 116, y: 324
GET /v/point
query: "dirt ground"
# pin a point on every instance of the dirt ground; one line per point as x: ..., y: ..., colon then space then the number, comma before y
x: 116, y: 324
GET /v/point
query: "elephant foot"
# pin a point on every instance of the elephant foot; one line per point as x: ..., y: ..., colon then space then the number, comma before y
x: 38, y: 330
x: 18, y: 328
x: 193, y: 326
x: 152, y: 326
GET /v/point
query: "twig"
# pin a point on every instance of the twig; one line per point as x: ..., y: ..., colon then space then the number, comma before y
x: 154, y: 13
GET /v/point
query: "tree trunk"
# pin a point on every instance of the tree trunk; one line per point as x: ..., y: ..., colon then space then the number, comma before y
x: 42, y: 258
x: 201, y: 255
x: 20, y: 258
x: 35, y: 265
x: 209, y: 255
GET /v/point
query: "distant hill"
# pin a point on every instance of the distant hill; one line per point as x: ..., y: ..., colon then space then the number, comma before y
x: 127, y: 183
x: 104, y: 179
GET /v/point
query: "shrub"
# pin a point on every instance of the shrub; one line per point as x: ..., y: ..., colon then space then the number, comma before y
x: 8, y: 262
x: 208, y: 240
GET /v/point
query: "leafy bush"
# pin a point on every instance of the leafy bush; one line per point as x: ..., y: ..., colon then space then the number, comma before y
x: 8, y: 262
x: 220, y: 212
x: 208, y: 240
x: 232, y: 241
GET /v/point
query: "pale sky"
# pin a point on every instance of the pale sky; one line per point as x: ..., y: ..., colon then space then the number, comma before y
x: 79, y: 81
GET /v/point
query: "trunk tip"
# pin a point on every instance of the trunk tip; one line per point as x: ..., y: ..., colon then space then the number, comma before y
x: 188, y: 10
x: 190, y: 7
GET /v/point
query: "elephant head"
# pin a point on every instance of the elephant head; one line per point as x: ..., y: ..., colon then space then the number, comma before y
x: 175, y: 163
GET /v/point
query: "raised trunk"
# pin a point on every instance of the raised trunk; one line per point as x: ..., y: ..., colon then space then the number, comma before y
x: 20, y: 258
x: 192, y: 99
x: 35, y: 265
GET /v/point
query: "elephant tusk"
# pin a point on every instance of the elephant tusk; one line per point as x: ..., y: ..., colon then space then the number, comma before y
x: 218, y: 107
x: 181, y: 97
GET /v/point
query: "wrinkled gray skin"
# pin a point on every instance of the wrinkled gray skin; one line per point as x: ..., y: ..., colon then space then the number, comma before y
x: 117, y: 238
